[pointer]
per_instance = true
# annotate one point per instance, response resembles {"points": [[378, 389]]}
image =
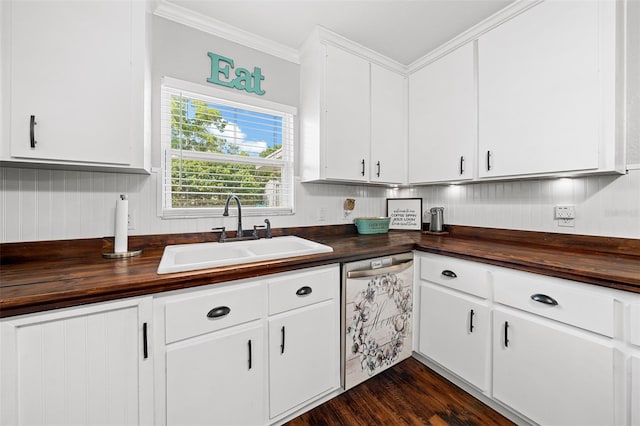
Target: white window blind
{"points": [[214, 147]]}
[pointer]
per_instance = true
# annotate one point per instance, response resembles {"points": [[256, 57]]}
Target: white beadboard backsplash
{"points": [[39, 204], [604, 205]]}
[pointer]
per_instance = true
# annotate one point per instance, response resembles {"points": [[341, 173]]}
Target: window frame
{"points": [[233, 99]]}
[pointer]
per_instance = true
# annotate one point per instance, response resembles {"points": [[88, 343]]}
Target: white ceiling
{"points": [[399, 29]]}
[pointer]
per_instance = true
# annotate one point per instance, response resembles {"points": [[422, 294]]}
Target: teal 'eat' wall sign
{"points": [[243, 80]]}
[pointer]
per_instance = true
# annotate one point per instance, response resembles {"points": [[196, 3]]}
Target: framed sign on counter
{"points": [[405, 213]]}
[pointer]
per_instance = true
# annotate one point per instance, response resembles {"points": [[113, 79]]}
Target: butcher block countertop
{"points": [[40, 276]]}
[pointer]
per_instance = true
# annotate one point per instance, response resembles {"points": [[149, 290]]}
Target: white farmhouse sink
{"points": [[189, 257]]}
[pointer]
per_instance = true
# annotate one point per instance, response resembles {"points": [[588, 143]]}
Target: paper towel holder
{"points": [[122, 214]]}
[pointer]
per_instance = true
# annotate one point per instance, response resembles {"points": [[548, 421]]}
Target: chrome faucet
{"points": [[226, 212]]}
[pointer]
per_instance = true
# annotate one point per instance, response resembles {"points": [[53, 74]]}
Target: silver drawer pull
{"points": [[219, 312], [543, 298]]}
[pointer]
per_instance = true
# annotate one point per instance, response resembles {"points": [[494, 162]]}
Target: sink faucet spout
{"points": [[226, 212]]}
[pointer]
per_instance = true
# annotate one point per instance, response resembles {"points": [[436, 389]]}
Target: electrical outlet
{"points": [[322, 214], [565, 212], [570, 223], [565, 215]]}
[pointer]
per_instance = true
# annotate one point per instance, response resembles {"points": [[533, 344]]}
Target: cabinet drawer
{"points": [[296, 289], [468, 277], [576, 304], [205, 311]]}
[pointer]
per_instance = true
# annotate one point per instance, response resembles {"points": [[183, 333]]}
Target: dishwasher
{"points": [[376, 320]]}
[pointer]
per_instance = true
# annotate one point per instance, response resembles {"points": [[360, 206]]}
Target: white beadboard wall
{"points": [[604, 205], [40, 204]]}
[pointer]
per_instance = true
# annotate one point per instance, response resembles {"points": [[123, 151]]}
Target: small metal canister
{"points": [[437, 219]]}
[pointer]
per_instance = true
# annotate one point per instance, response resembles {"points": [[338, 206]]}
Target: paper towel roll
{"points": [[122, 221]]}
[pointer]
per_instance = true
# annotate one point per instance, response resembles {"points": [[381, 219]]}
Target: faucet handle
{"points": [[255, 230], [223, 233], [268, 225]]}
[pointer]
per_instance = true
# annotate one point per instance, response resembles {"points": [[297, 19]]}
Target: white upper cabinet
{"points": [[347, 117], [442, 119], [75, 84], [388, 126], [547, 90], [352, 115]]}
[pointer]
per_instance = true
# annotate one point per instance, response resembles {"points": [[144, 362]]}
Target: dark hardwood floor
{"points": [[406, 394]]}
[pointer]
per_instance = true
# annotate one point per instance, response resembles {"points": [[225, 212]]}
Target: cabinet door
{"points": [[303, 355], [347, 124], [552, 373], [217, 379], [634, 329], [454, 332], [635, 390], [71, 68], [388, 129], [544, 79], [79, 366], [442, 120]]}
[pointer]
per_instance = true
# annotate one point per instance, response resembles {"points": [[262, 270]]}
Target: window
{"points": [[217, 143]]}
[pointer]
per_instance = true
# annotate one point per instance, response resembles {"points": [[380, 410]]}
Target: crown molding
{"points": [[472, 33], [223, 30], [323, 35]]}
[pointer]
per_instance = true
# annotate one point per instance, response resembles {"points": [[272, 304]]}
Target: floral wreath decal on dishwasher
{"points": [[372, 355]]}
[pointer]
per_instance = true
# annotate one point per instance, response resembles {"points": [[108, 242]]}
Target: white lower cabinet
{"points": [[553, 373], [455, 325], [635, 390], [634, 340], [217, 379], [247, 352], [211, 355], [302, 355], [304, 337], [89, 365], [550, 350], [634, 324], [455, 332]]}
